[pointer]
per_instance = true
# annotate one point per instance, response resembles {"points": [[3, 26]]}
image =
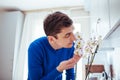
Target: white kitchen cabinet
{"points": [[93, 16], [10, 31], [114, 11], [108, 14], [103, 25], [99, 17], [104, 15]]}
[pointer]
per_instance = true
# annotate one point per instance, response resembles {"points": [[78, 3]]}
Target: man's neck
{"points": [[54, 45]]}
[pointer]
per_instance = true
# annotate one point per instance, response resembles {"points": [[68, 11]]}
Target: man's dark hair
{"points": [[54, 22]]}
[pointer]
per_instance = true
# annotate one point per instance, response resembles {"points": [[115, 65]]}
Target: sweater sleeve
{"points": [[70, 74], [52, 75], [35, 66]]}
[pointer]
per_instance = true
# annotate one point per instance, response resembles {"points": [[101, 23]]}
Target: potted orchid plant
{"points": [[87, 49]]}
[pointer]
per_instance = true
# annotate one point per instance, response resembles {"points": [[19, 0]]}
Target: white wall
{"points": [[10, 28]]}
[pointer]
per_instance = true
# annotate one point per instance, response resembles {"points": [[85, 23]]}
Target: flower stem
{"points": [[89, 65]]}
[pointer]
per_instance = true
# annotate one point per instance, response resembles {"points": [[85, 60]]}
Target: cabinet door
{"points": [[114, 11], [94, 11], [100, 17], [103, 25], [9, 24]]}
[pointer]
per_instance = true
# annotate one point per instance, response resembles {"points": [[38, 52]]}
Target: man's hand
{"points": [[67, 64]]}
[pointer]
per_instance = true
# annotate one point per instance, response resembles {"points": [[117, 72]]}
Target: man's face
{"points": [[65, 38]]}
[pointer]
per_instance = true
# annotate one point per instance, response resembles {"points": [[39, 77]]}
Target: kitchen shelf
{"points": [[112, 39]]}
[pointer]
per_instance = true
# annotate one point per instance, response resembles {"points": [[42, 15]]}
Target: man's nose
{"points": [[73, 38]]}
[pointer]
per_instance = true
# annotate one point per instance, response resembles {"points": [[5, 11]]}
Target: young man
{"points": [[49, 56]]}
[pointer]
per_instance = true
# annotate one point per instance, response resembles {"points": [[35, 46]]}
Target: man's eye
{"points": [[67, 35]]}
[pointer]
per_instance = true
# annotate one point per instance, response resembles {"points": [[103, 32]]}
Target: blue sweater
{"points": [[43, 60]]}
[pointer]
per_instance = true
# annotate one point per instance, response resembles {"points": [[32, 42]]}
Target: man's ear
{"points": [[51, 38]]}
